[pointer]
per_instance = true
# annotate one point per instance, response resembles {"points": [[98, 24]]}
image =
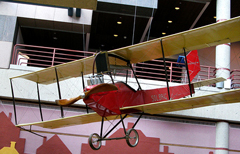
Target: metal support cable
{"points": [[134, 23]]}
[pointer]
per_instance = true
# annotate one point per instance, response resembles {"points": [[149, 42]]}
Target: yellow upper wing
{"points": [[211, 35]]}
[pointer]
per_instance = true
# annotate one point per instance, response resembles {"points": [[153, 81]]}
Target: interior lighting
{"points": [[163, 33], [119, 22], [177, 8], [115, 35], [170, 21], [214, 17]]}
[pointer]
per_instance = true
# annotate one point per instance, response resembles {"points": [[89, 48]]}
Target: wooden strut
{"points": [[59, 92], [83, 85], [139, 87], [14, 103], [189, 82], [165, 68], [39, 102]]}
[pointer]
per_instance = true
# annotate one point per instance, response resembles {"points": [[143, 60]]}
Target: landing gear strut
{"points": [[132, 138]]}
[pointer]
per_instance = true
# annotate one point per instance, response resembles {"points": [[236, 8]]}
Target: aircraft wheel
{"points": [[94, 141], [132, 137]]}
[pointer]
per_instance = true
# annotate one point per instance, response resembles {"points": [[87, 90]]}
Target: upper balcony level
{"points": [[40, 56]]}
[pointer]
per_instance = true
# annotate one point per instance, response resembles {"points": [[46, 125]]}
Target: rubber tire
{"points": [[90, 141], [128, 137]]}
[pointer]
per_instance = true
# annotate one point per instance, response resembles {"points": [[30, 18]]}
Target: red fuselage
{"points": [[109, 103]]}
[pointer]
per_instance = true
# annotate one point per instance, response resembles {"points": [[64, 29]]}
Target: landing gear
{"points": [[132, 138], [94, 141]]}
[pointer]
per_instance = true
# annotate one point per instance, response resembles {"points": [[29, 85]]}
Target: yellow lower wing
{"points": [[70, 121], [231, 96]]}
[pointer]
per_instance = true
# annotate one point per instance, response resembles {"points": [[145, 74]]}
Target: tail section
{"points": [[193, 64]]}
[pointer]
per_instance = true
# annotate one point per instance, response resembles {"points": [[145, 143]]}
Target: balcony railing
{"points": [[45, 56], [40, 56]]}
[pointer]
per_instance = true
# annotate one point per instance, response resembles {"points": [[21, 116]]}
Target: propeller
{"points": [[104, 87]]}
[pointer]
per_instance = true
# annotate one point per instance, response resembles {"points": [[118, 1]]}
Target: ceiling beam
{"points": [[198, 1], [85, 4], [146, 29], [199, 15]]}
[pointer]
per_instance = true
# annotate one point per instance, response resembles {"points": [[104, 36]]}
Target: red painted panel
{"points": [[193, 64], [54, 146], [8, 133]]}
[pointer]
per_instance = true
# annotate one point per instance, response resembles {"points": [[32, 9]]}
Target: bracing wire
{"points": [[5, 110]]}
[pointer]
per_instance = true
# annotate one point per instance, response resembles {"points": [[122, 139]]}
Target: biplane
{"points": [[118, 99]]}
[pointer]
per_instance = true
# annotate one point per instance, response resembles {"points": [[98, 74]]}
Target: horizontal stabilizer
{"points": [[207, 82]]}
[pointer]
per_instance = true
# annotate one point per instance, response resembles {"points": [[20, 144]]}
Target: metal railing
{"points": [[175, 71], [40, 56], [47, 56], [235, 78]]}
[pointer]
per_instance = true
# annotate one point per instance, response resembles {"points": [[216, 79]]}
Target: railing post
{"points": [[54, 51], [13, 54], [132, 70], [171, 72], [208, 72]]}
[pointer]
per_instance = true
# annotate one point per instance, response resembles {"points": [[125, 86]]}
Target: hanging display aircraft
{"points": [[119, 99]]}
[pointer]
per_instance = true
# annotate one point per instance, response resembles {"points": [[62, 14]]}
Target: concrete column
{"points": [[222, 62], [7, 33], [222, 138]]}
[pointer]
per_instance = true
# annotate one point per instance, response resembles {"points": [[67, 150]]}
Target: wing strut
{"points": [[83, 85], [165, 68], [59, 92], [14, 103], [39, 102], [186, 64], [139, 87]]}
